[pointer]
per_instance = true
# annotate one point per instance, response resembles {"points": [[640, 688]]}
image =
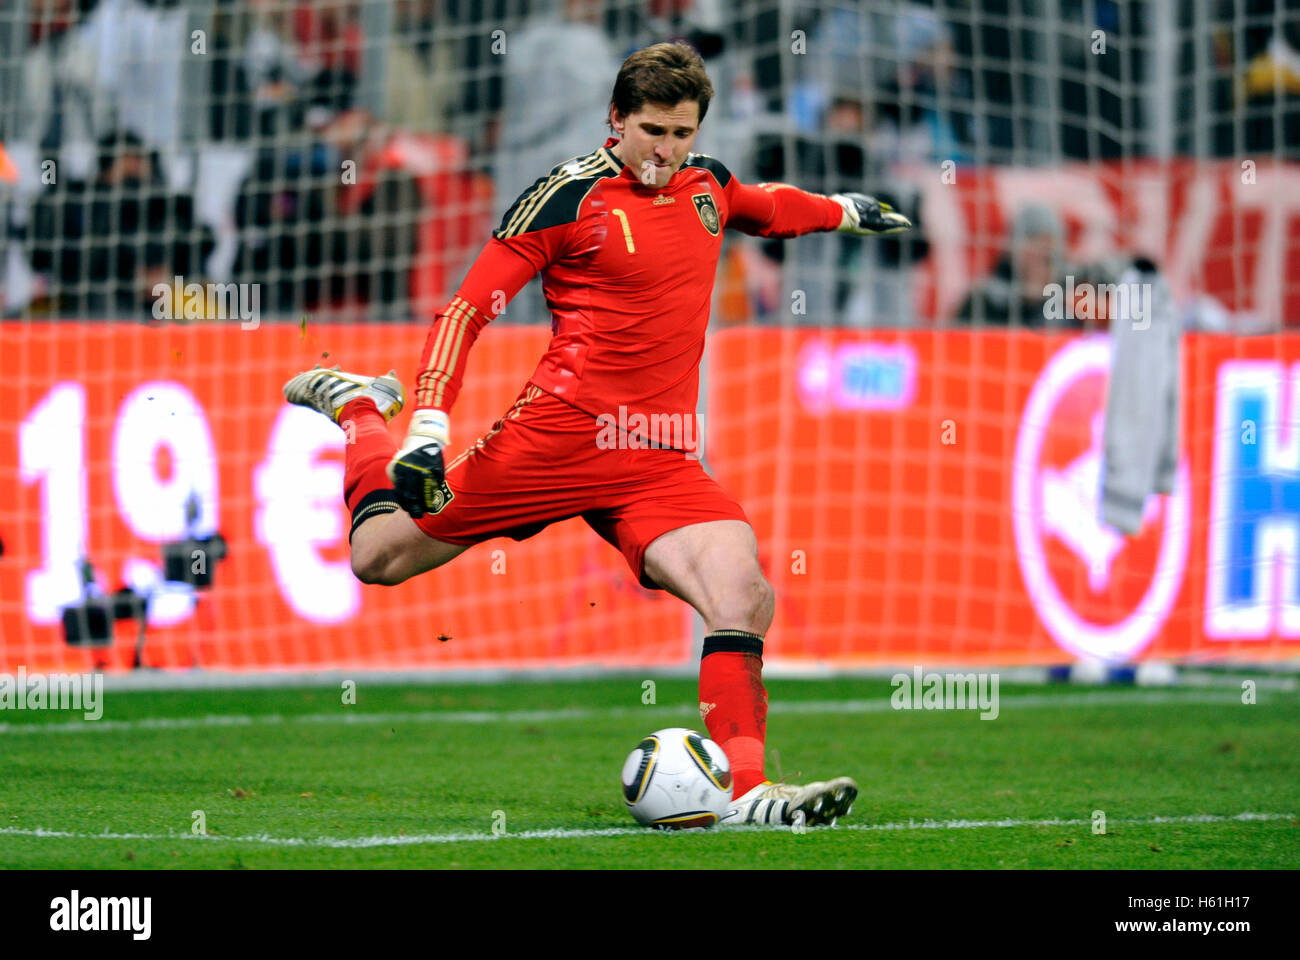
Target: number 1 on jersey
{"points": [[627, 230]]}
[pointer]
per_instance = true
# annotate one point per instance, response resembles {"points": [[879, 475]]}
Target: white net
{"points": [[216, 139]]}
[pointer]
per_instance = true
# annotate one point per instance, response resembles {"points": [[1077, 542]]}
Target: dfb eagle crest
{"points": [[704, 206]]}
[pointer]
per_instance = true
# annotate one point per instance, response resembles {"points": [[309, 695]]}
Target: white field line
{"points": [[349, 715], [402, 840]]}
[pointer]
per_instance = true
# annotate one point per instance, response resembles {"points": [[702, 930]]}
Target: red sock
{"points": [[733, 703], [368, 450]]}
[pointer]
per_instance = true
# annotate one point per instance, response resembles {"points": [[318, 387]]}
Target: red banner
{"points": [[1227, 229]]}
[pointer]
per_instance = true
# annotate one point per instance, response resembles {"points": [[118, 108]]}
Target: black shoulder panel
{"points": [[715, 167]]}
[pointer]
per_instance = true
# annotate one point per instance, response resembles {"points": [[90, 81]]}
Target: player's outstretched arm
{"points": [[782, 210]]}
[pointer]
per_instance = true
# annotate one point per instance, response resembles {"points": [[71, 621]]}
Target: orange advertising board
{"points": [[918, 497], [933, 496]]}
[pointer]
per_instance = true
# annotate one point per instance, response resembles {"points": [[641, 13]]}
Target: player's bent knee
{"points": [[767, 604], [375, 564], [762, 605], [366, 567], [748, 604]]}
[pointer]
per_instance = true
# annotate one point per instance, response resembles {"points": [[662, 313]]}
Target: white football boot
{"points": [[329, 391], [777, 804]]}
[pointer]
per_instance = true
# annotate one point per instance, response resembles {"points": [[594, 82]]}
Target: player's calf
{"points": [[742, 600]]}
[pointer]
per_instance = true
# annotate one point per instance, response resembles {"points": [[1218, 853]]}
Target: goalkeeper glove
{"points": [[869, 217], [417, 470]]}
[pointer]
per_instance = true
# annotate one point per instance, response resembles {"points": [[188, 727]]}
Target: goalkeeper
{"points": [[627, 240]]}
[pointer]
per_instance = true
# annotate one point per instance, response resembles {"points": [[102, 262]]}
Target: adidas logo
{"points": [[705, 708], [662, 200]]}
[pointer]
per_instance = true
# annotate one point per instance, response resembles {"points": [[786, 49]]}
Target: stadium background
{"points": [[867, 401]]}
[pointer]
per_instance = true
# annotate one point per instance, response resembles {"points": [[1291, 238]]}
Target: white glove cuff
{"points": [[433, 425], [850, 219]]}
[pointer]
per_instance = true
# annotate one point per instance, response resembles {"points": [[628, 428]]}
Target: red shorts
{"points": [[540, 464]]}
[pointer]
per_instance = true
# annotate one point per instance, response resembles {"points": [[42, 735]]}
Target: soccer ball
{"points": [[677, 779]]}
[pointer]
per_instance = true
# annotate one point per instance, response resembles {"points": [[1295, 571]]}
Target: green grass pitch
{"points": [[525, 774]]}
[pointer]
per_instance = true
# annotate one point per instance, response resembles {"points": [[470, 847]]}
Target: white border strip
{"points": [[1189, 673], [359, 843], [333, 676], [349, 715]]}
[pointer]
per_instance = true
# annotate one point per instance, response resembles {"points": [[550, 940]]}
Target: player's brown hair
{"points": [[666, 73]]}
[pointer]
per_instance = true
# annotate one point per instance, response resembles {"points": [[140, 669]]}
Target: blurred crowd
{"points": [[351, 156]]}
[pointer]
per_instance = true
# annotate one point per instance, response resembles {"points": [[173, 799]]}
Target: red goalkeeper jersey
{"points": [[628, 273]]}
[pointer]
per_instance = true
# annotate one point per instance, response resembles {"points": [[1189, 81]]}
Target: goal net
{"points": [[1057, 421]]}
